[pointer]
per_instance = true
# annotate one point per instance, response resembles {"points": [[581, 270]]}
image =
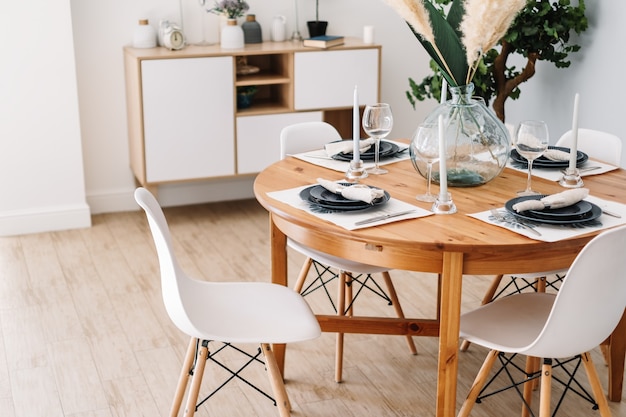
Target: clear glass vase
{"points": [[477, 142]]}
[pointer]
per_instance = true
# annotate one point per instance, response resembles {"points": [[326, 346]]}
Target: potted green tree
{"points": [[317, 27], [541, 31]]}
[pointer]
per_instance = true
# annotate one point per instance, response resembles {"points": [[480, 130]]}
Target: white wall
{"points": [[102, 28], [41, 168]]}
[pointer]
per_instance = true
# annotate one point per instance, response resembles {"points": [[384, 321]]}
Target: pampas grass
{"points": [[483, 24], [415, 14], [479, 37]]}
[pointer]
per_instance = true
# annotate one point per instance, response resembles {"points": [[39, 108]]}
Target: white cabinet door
{"points": [[326, 79], [258, 138], [188, 115]]}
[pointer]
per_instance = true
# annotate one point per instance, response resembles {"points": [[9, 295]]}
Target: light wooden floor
{"points": [[83, 331]]}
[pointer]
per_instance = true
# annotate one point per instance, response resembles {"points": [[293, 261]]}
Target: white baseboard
{"points": [[47, 219], [175, 195]]}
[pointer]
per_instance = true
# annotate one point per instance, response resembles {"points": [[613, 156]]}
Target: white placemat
{"points": [[347, 219], [319, 157], [554, 233], [553, 174]]}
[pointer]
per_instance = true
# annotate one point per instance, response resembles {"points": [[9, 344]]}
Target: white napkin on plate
{"points": [[554, 201], [357, 192], [347, 146], [556, 155]]}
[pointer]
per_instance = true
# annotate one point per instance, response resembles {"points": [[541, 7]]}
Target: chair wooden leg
{"points": [[546, 388], [196, 381], [478, 384], [596, 387], [398, 308], [276, 381], [304, 271], [495, 283], [341, 307], [532, 365], [183, 378]]}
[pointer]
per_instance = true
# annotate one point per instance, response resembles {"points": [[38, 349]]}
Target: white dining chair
{"points": [[599, 145], [596, 144], [584, 312], [228, 312], [308, 136]]}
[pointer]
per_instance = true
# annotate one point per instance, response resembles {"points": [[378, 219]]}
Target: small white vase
{"points": [[232, 35]]}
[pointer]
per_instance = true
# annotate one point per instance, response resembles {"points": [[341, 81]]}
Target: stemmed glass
{"points": [[377, 123], [203, 42], [531, 141], [425, 146]]}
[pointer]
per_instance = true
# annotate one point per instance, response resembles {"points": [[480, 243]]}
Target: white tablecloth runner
{"points": [[348, 219], [319, 157], [554, 233]]}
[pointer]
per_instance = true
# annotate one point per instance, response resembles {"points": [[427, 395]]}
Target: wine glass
{"points": [[377, 123], [531, 141], [425, 146]]}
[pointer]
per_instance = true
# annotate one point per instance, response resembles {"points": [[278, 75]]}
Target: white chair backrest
{"points": [[598, 145], [174, 283], [591, 299], [307, 136]]}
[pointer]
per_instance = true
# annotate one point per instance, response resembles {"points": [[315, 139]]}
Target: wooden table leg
{"points": [[616, 352], [451, 281], [278, 254]]}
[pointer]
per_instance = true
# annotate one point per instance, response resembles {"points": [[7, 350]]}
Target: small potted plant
{"points": [[245, 94], [317, 27]]}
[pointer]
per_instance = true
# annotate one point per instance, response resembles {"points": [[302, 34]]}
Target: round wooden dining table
{"points": [[452, 246]]}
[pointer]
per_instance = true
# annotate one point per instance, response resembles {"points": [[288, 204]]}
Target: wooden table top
{"points": [[418, 244]]}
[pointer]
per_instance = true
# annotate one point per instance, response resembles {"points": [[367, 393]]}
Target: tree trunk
{"points": [[504, 86]]}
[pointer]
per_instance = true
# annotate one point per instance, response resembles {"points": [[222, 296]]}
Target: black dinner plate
{"points": [[336, 202], [543, 162], [531, 215], [575, 211], [386, 149]]}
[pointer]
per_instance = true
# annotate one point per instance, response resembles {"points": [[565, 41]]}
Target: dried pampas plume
{"points": [[479, 37], [415, 14]]}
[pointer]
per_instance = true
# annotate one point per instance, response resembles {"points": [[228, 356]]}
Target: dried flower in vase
{"points": [[232, 9], [457, 41]]}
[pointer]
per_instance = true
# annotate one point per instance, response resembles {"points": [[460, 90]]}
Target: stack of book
{"points": [[323, 42]]}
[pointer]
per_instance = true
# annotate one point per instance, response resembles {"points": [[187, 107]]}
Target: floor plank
{"points": [[83, 330]]}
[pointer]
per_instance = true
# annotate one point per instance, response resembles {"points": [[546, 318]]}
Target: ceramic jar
{"points": [[232, 35]]}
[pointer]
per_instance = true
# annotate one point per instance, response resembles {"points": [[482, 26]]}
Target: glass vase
{"points": [[477, 143]]}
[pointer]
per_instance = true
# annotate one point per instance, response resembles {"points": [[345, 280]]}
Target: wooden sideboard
{"points": [[183, 120]]}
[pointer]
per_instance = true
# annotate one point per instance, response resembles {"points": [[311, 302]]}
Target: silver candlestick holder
{"points": [[571, 179]]}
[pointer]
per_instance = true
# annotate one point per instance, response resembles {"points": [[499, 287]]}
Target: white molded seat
{"points": [[237, 312], [308, 136], [578, 318], [596, 144]]}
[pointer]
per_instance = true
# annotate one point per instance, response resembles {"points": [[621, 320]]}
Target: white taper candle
{"points": [[444, 90], [573, 151], [443, 173], [356, 124]]}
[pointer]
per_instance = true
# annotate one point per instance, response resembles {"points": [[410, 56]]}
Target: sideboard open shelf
{"points": [[183, 120]]}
